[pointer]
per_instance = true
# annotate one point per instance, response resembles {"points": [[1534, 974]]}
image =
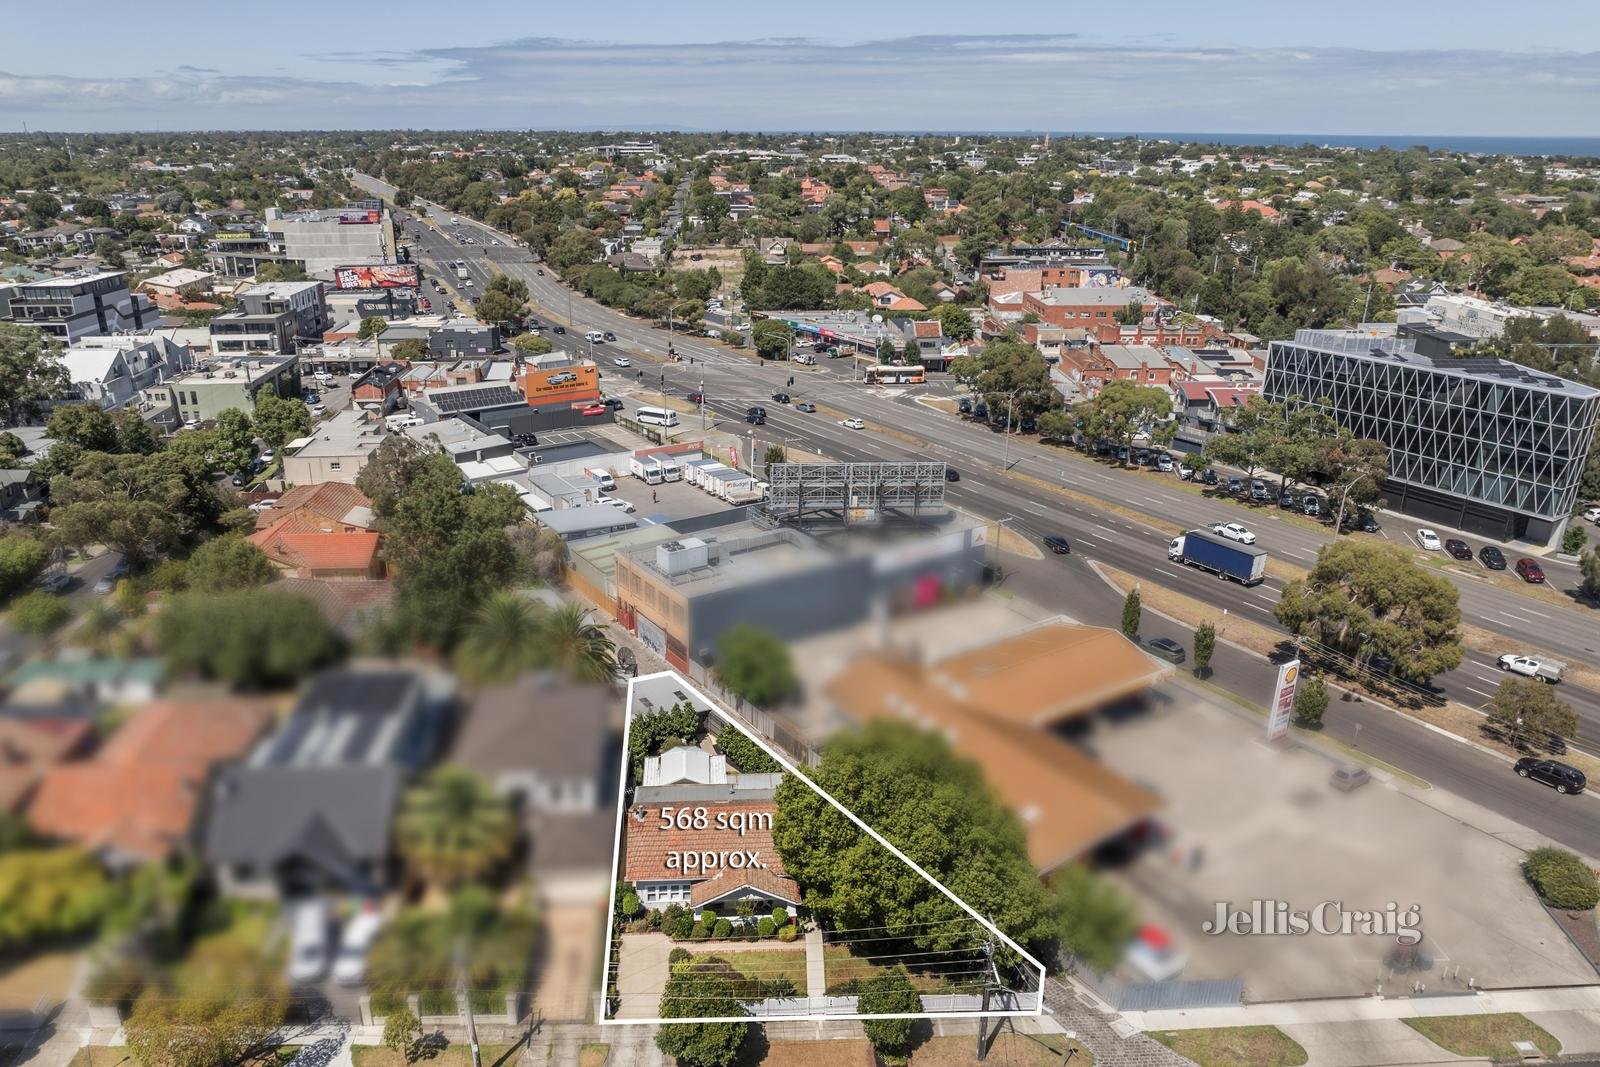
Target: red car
{"points": [[595, 409], [1530, 570]]}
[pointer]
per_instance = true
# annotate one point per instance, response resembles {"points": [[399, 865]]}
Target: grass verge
{"points": [[450, 1056], [1191, 612], [1021, 1050], [1484, 1035], [1235, 1046], [594, 1054]]}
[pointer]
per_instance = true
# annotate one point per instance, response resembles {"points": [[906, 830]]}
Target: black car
{"points": [[696, 397], [951, 474], [1458, 548], [1057, 544], [756, 416], [1559, 776], [560, 329], [1028, 426], [1492, 558], [1288, 500], [612, 402], [610, 336], [964, 406], [781, 398], [524, 439], [1167, 649], [980, 410], [1210, 477]]}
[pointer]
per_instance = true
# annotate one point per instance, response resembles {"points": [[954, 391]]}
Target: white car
{"points": [[1546, 670], [852, 424], [618, 503], [1593, 514], [1234, 531], [350, 964], [623, 361], [1429, 540], [323, 376], [308, 941], [262, 505]]}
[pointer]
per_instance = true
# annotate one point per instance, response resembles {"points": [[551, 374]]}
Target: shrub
{"points": [[724, 928], [653, 920], [678, 955], [747, 756], [699, 932], [1561, 879], [680, 926], [780, 916], [39, 613], [630, 905], [766, 927], [788, 933], [1574, 539]]}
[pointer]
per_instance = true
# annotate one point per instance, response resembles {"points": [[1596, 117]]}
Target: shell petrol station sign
{"points": [[561, 385]]}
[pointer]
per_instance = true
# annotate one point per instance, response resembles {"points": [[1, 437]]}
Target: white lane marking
{"points": [[1031, 506], [1480, 692], [1268, 599], [1258, 607]]}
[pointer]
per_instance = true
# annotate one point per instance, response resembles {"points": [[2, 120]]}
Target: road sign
{"points": [[1282, 700]]}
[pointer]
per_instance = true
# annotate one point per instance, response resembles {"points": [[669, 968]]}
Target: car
{"points": [[262, 505], [1235, 485], [108, 581], [308, 940], [1545, 670], [1164, 463], [1592, 514], [1369, 524], [56, 582], [853, 424], [964, 406], [1209, 476], [696, 397], [1122, 453], [618, 503], [560, 329], [1349, 777], [622, 361], [1286, 499], [1186, 473], [951, 474], [781, 398], [1530, 571], [1235, 531], [524, 439], [1429, 540], [318, 408], [1258, 491], [806, 405], [1492, 558], [1458, 548], [323, 376], [238, 480], [310, 396], [1311, 506], [1057, 544], [1559, 776], [612, 402], [355, 941], [1141, 458], [594, 409], [539, 271], [609, 336], [1167, 649]]}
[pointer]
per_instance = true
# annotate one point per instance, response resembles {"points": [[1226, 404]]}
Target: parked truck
{"points": [[670, 470], [1226, 559], [647, 469]]}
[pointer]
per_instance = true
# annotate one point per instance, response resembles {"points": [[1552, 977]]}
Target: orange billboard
{"points": [[561, 385]]}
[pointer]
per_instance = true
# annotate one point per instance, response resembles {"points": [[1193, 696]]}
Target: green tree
{"points": [[280, 272], [1132, 609], [1363, 599], [141, 505], [226, 563], [39, 613], [966, 369], [574, 643], [1015, 381], [372, 329], [1056, 425], [401, 1032], [904, 782], [1527, 707], [1124, 410], [1196, 463], [531, 344], [392, 466], [1353, 470], [746, 756], [233, 441], [281, 419], [772, 338], [1590, 568], [754, 664], [252, 638], [774, 454], [46, 894], [11, 450], [410, 350], [454, 828], [1311, 701], [954, 322], [31, 371], [1573, 540], [498, 307], [1205, 644], [889, 993], [89, 426], [1096, 920], [573, 248], [702, 988], [502, 639], [21, 560], [223, 1004], [40, 210]]}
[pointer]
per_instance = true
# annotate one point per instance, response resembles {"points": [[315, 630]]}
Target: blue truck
{"points": [[1226, 559]]}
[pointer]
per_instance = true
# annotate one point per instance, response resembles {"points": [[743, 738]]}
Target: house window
{"points": [[334, 465]]}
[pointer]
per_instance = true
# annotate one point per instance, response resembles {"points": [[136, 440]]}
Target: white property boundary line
{"points": [[616, 858]]}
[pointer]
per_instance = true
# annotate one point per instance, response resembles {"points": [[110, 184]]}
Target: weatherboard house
{"points": [[700, 835]]}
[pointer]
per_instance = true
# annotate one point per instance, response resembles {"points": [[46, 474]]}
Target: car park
{"points": [[1057, 544], [853, 424], [1530, 571], [1458, 548], [1167, 649], [1428, 540], [1234, 531], [1492, 558], [806, 405], [1559, 776]]}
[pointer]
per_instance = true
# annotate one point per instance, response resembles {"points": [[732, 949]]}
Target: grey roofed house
{"points": [[309, 809]]}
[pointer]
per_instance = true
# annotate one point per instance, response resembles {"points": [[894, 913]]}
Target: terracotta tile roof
{"points": [[762, 881], [1067, 802], [139, 795], [29, 749], [316, 551], [647, 843], [347, 604], [927, 328], [1047, 674], [331, 502]]}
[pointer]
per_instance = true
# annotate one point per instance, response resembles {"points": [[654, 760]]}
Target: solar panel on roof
{"points": [[488, 396]]}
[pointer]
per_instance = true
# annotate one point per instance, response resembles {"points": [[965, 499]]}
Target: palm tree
{"points": [[454, 827], [578, 646], [503, 638]]}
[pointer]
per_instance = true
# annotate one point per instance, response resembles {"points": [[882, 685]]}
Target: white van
{"points": [[656, 416], [602, 478], [594, 336], [400, 420]]}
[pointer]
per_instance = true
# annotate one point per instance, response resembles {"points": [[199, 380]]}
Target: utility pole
{"points": [[702, 403], [983, 1021], [464, 998]]}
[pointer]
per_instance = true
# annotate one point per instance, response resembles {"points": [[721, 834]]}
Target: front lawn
{"points": [[1235, 1046], [450, 1056], [593, 1054], [1484, 1036], [843, 968], [768, 965], [416, 954]]}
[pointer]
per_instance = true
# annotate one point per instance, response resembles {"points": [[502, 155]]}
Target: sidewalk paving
{"points": [[1370, 1009]]}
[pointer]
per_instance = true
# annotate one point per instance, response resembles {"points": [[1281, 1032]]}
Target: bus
{"points": [[656, 416], [880, 374]]}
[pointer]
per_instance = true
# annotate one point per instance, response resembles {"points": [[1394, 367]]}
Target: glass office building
{"points": [[1475, 443]]}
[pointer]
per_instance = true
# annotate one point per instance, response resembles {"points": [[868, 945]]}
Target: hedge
{"points": [[1561, 879]]}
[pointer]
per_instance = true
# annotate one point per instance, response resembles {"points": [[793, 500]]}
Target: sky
{"points": [[1468, 67]]}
